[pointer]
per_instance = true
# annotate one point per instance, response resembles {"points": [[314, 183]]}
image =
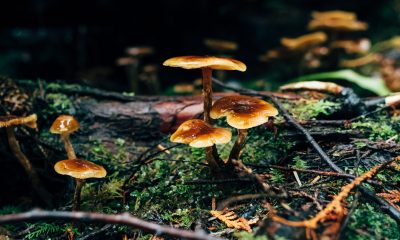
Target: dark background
{"points": [[71, 40]]}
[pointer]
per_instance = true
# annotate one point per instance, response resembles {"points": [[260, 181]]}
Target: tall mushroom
{"points": [[200, 134], [65, 125], [79, 170], [9, 122], [207, 64], [242, 113]]}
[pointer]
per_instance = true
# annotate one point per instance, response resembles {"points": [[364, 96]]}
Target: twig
{"points": [[289, 169], [124, 219], [266, 188], [386, 206], [216, 181]]}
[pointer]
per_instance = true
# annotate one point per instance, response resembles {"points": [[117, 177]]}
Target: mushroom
{"points": [[336, 21], [199, 134], [335, 14], [329, 87], [304, 42], [65, 125], [132, 64], [242, 113], [207, 64], [9, 122], [361, 61], [79, 170]]}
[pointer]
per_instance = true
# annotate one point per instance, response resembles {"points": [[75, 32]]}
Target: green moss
{"points": [[382, 128], [368, 222], [310, 109]]}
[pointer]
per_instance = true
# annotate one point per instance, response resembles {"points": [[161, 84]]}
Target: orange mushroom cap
{"points": [[335, 14], [64, 124], [81, 169], [305, 41], [329, 87], [193, 62], [199, 134], [11, 120], [337, 24], [243, 112]]}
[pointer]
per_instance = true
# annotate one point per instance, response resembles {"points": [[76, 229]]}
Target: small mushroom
{"points": [[336, 21], [65, 125], [304, 42], [9, 122], [328, 87], [132, 64], [242, 113], [79, 170], [199, 134]]}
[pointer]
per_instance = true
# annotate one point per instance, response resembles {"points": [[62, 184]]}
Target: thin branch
{"points": [[124, 219]]}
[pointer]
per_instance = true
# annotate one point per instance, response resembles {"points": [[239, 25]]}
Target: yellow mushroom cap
{"points": [[64, 124], [305, 41], [81, 169], [193, 62], [243, 112], [11, 120], [199, 134], [329, 87]]}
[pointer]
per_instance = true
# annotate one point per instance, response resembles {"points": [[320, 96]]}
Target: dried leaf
{"points": [[393, 197], [232, 220]]}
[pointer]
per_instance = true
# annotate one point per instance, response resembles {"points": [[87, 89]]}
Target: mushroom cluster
{"points": [[323, 48], [242, 112], [79, 169], [207, 65]]}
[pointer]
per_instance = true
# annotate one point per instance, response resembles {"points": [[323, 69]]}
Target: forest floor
{"points": [[175, 187]]}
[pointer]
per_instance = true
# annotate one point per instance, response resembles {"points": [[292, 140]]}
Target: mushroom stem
{"points": [[68, 146], [133, 75], [207, 93], [212, 157], [77, 194], [238, 146], [26, 164]]}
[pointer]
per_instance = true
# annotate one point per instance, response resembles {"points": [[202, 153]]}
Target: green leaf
{"points": [[373, 84]]}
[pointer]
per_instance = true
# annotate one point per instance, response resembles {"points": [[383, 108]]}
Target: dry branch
{"points": [[124, 219]]}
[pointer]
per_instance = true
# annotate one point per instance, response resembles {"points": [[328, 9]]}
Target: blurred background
{"points": [[87, 41]]}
